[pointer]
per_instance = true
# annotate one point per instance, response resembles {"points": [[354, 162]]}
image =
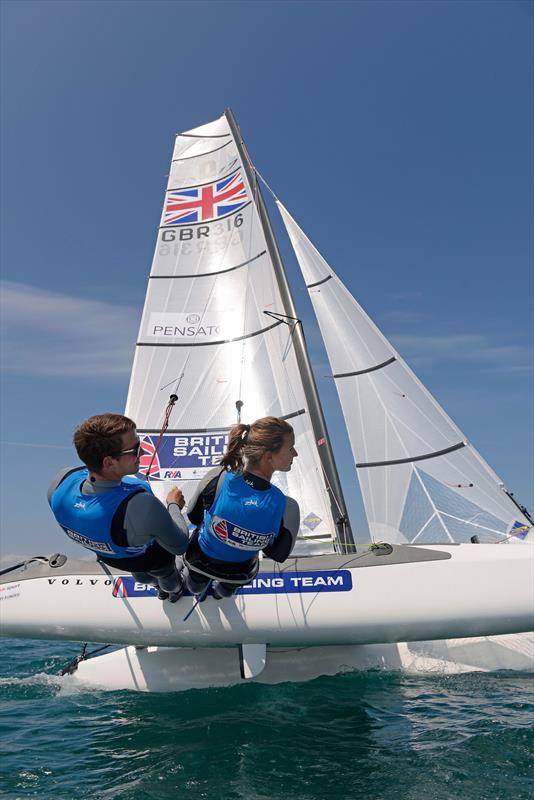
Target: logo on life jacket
{"points": [[238, 537], [220, 529]]}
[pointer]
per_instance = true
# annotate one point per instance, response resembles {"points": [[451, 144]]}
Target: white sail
{"points": [[421, 480], [211, 331]]}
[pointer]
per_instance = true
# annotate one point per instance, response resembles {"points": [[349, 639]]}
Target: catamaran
{"points": [[446, 583]]}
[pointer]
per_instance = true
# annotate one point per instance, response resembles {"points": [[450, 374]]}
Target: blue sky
{"points": [[411, 120]]}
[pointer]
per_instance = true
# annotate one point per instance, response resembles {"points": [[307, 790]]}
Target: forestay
{"points": [[421, 480], [210, 332]]}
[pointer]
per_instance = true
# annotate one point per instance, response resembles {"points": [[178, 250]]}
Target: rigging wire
{"points": [[172, 401], [262, 179]]}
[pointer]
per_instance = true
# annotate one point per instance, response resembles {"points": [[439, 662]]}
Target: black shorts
{"points": [[231, 571], [155, 557]]}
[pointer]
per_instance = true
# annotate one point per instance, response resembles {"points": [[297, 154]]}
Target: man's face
{"points": [[128, 462]]}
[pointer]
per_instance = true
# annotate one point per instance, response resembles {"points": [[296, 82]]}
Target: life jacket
{"points": [[241, 521], [87, 518]]}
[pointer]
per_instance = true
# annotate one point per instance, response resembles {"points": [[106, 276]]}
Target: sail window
{"points": [[432, 508]]}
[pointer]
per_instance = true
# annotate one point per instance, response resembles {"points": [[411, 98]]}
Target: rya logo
{"points": [[251, 502], [80, 504]]}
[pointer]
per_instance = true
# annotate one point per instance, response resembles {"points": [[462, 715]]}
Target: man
{"points": [[115, 516]]}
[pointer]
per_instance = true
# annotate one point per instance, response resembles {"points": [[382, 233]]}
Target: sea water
{"points": [[372, 735]]}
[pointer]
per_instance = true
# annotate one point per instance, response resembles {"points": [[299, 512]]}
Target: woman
{"points": [[238, 512]]}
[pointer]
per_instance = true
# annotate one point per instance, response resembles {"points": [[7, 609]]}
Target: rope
{"points": [[172, 400], [22, 564], [200, 598]]}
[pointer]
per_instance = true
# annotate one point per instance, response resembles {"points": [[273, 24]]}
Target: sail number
{"points": [[221, 229]]}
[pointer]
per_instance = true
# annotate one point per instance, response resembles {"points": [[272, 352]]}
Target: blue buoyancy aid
{"points": [[87, 518], [241, 521]]}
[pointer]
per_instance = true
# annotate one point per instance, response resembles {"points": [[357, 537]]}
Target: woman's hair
{"points": [[248, 443], [100, 436]]}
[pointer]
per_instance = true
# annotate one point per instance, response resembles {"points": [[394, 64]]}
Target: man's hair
{"points": [[100, 436]]}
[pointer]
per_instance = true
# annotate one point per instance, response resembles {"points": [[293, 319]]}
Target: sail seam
{"points": [[200, 155], [208, 274], [318, 283], [208, 344], [365, 371], [208, 183], [413, 458]]}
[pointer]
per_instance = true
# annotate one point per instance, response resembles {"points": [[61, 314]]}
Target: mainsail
{"points": [[421, 480], [217, 334]]}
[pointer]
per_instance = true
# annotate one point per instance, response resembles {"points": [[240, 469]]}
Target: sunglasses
{"points": [[134, 451]]}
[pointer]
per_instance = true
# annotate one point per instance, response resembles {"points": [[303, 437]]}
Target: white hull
{"points": [[159, 669], [380, 612], [376, 597]]}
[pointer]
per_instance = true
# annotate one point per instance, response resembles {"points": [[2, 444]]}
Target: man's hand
{"points": [[176, 496]]}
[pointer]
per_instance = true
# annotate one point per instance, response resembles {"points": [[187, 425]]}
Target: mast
{"points": [[333, 484]]}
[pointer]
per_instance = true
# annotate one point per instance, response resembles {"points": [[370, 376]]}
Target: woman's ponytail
{"points": [[233, 458]]}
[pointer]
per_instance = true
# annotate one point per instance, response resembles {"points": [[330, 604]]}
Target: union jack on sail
{"points": [[149, 459], [205, 203]]}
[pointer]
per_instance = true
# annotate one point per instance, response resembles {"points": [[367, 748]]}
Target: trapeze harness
{"points": [[87, 518], [241, 522]]}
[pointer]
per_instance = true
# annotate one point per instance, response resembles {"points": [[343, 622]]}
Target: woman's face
{"points": [[283, 458]]}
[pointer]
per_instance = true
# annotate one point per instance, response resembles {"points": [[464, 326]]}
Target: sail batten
{"points": [[209, 274], [318, 283], [365, 371], [208, 153], [419, 477], [411, 459]]}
